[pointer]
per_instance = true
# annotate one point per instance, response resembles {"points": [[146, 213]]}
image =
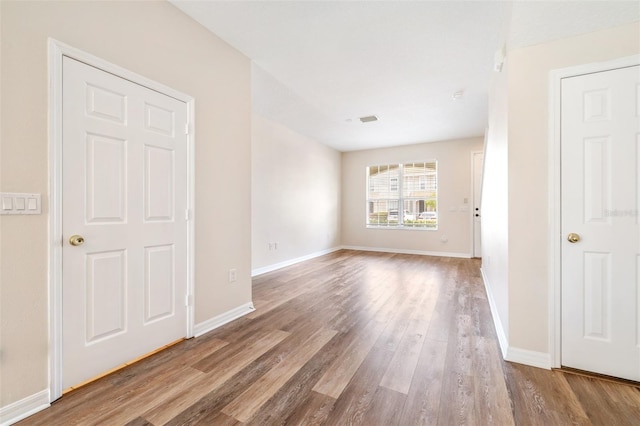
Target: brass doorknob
{"points": [[573, 238], [76, 240]]}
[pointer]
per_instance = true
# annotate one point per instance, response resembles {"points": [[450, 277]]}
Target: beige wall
{"points": [[454, 185], [156, 40], [527, 119], [495, 209], [528, 169], [295, 194]]}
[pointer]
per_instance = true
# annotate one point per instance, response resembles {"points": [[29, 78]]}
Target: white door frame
{"points": [[57, 51], [554, 192]]}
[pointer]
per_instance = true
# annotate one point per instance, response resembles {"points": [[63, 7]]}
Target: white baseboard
{"points": [[222, 319], [269, 268], [502, 336], [510, 353], [404, 251], [526, 357], [24, 408]]}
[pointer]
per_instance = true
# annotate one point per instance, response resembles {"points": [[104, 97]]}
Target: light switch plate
{"points": [[20, 203], [7, 203]]}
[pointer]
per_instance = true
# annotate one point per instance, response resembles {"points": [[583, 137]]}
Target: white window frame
{"points": [[401, 197]]}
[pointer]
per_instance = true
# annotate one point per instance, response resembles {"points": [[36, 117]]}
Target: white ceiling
{"points": [[320, 65]]}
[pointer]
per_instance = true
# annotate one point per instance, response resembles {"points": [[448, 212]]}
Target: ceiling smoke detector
{"points": [[368, 119]]}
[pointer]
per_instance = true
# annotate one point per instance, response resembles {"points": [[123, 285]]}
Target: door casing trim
{"points": [[554, 194], [57, 51]]}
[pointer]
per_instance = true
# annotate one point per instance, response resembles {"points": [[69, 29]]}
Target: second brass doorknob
{"points": [[573, 238], [76, 240]]}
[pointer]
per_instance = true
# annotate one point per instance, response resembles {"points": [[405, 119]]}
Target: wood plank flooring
{"points": [[350, 338]]}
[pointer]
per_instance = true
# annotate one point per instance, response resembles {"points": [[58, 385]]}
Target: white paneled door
{"points": [[124, 258], [600, 143], [478, 164]]}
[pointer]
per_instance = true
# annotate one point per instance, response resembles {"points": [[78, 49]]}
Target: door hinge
{"points": [[187, 214], [187, 300], [186, 128]]}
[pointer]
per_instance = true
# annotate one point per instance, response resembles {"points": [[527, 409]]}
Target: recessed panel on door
{"points": [[637, 281], [105, 289], [597, 180], [597, 105], [597, 295], [106, 179], [637, 212], [159, 120], [159, 282], [159, 166], [106, 104]]}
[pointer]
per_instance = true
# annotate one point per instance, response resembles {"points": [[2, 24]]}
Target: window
{"points": [[403, 195]]}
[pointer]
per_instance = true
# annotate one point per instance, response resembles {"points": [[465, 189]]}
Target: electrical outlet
{"points": [[233, 275]]}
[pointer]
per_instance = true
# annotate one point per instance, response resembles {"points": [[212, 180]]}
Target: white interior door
{"points": [[124, 179], [478, 163], [600, 148]]}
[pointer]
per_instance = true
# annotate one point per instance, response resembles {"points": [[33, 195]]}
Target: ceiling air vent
{"points": [[368, 118]]}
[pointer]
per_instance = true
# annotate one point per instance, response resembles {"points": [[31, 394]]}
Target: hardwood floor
{"points": [[350, 338]]}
